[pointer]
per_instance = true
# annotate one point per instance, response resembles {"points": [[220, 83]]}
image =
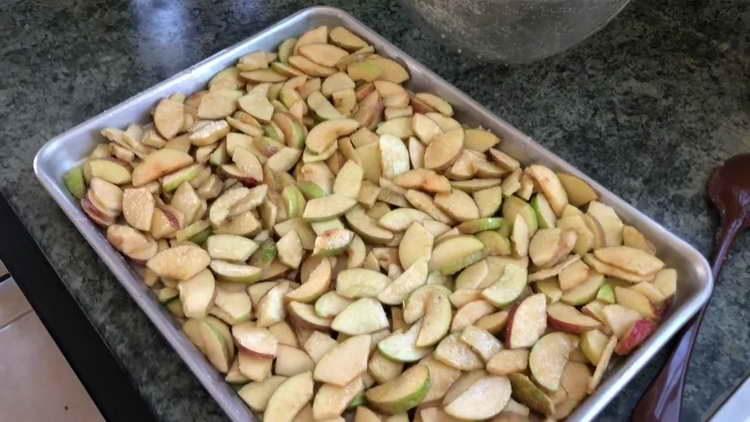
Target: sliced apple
{"points": [[550, 185], [364, 316], [394, 157], [593, 343], [579, 192], [303, 315], [181, 262], [402, 346], [458, 205], [416, 244], [395, 292], [470, 312], [327, 207], [359, 282], [159, 163], [494, 323], [291, 361], [402, 393], [481, 341], [603, 364], [452, 351], [289, 398], [317, 284], [456, 253], [214, 345], [318, 344], [619, 318], [482, 399], [526, 392], [257, 341], [437, 319], [508, 287], [238, 273], [131, 242], [197, 294], [349, 180], [505, 362], [169, 117], [569, 319], [325, 134], [331, 400], [636, 301], [289, 248], [416, 302], [270, 309], [527, 322], [257, 394], [585, 291], [548, 358], [609, 221], [666, 282], [630, 259], [345, 361], [443, 149], [638, 333]]}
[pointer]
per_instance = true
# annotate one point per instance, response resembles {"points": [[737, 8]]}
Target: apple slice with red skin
{"points": [[639, 332], [527, 322], [567, 318]]}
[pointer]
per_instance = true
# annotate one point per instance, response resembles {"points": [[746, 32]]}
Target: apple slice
{"points": [[548, 358], [253, 367], [325, 134], [284, 334], [481, 341], [270, 309], [402, 393], [401, 218], [169, 117], [197, 294], [327, 207], [666, 281], [603, 364], [257, 394], [303, 315], [414, 306], [344, 362], [131, 242], [316, 284], [508, 287], [456, 253], [593, 343], [550, 185], [619, 318], [437, 319], [458, 205], [364, 414], [75, 182], [215, 347], [159, 163], [494, 323], [356, 283], [181, 262], [609, 222], [234, 301], [289, 398], [383, 369], [526, 392], [443, 149], [289, 248], [107, 169], [395, 292], [394, 157], [585, 239], [331, 304], [331, 400], [402, 346], [318, 344], [105, 196], [257, 341], [364, 316], [635, 239], [573, 275], [527, 322], [416, 244], [630, 259], [291, 361], [569, 319], [585, 291], [442, 376], [636, 301], [470, 313], [237, 273], [506, 362], [579, 192], [483, 399], [638, 332], [452, 351], [230, 247]]}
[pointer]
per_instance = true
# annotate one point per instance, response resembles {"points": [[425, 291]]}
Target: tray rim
{"points": [[614, 381]]}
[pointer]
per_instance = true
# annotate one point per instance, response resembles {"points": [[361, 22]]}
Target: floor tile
{"points": [[12, 302], [38, 384]]}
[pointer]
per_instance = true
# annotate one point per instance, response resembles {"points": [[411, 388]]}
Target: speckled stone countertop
{"points": [[648, 107]]}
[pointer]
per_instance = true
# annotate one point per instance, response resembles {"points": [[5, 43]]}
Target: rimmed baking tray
{"points": [[64, 151]]}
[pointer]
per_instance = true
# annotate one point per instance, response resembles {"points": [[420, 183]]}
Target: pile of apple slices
{"points": [[334, 242]]}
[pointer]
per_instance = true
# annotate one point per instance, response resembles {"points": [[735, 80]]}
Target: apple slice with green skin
{"points": [[344, 362], [593, 343], [619, 318], [506, 362], [181, 262], [508, 287], [257, 341], [513, 206], [480, 225], [289, 398], [265, 254], [294, 201], [545, 215], [325, 133], [483, 399], [639, 332], [159, 163], [356, 283], [365, 316], [402, 346], [584, 292], [437, 319], [456, 253], [257, 394], [75, 182], [526, 392], [197, 294], [237, 273], [214, 346], [442, 377], [316, 284], [411, 279], [603, 364], [453, 352], [527, 322], [481, 341], [548, 358], [333, 242], [606, 294], [331, 304], [173, 180], [630, 259], [303, 315], [402, 393], [230, 247], [331, 400], [327, 207], [569, 319]]}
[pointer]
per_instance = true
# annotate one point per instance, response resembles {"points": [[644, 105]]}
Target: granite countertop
{"points": [[648, 107]]}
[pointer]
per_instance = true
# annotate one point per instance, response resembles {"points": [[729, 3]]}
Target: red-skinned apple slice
{"points": [[527, 322], [567, 318], [548, 358], [634, 336], [619, 318], [257, 341]]}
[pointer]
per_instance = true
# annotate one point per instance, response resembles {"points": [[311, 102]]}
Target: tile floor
{"points": [[37, 382]]}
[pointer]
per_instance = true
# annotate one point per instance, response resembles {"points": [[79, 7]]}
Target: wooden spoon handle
{"points": [[663, 400]]}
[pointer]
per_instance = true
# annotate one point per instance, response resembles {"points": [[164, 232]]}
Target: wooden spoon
{"points": [[729, 190]]}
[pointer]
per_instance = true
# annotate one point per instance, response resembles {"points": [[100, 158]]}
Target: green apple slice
{"points": [[402, 346], [289, 398], [197, 294], [214, 346], [355, 283], [544, 214], [484, 398], [331, 304], [344, 362], [230, 247], [526, 392], [437, 319], [584, 292], [293, 200], [456, 253], [257, 394], [606, 293], [395, 292], [508, 287], [593, 343], [75, 182], [480, 225], [364, 316], [402, 393], [237, 273], [513, 206]]}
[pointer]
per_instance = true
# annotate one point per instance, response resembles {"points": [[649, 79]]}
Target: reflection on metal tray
{"points": [[68, 149]]}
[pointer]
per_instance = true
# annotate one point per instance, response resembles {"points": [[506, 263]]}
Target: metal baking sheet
{"points": [[70, 148]]}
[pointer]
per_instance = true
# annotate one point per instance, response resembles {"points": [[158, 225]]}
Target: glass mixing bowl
{"points": [[514, 31]]}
